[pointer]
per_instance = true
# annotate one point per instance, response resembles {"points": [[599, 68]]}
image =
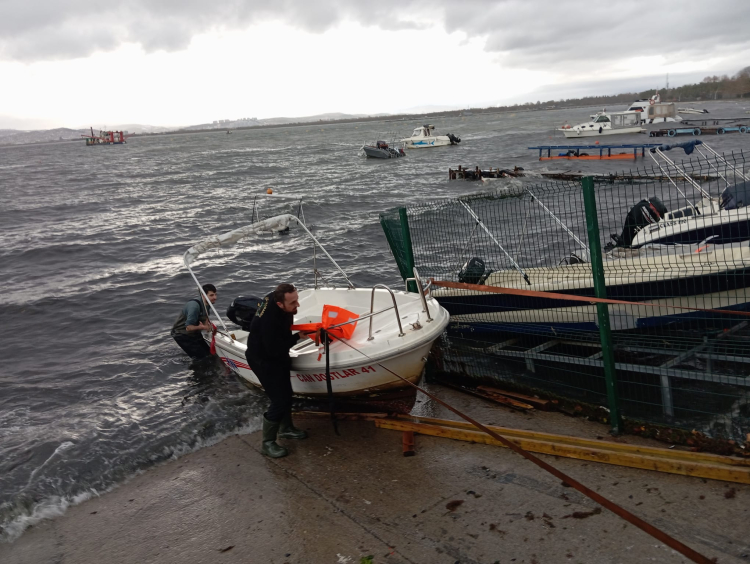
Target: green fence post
{"points": [[600, 291], [408, 250]]}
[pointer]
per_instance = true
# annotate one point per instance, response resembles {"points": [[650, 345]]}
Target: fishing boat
{"points": [[393, 331], [603, 123], [381, 150], [721, 219], [425, 136]]}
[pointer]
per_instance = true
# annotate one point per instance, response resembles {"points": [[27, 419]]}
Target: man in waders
{"points": [[267, 354], [193, 319]]}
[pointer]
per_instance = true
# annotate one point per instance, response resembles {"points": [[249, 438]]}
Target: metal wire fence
{"points": [[672, 236]]}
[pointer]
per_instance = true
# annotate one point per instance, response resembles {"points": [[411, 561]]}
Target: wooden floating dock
{"points": [[578, 152]]}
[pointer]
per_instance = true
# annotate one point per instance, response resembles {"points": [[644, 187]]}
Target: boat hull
{"points": [[575, 133], [375, 153], [426, 142], [715, 280], [352, 379]]}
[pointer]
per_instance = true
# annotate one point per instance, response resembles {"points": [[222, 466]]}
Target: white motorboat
{"points": [[691, 111], [653, 110], [723, 219], [712, 276], [603, 123], [425, 136], [393, 334]]}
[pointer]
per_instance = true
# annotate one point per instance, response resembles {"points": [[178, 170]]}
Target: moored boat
{"points": [[603, 123], [425, 136], [381, 150]]}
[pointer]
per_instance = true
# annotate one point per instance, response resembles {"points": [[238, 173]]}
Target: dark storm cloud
{"points": [[528, 34]]}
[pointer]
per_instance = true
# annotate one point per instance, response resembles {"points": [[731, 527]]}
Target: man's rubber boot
{"points": [[287, 430], [270, 447]]}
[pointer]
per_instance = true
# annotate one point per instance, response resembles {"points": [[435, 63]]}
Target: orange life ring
{"points": [[651, 101]]}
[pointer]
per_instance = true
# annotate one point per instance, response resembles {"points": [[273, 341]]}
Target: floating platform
{"points": [[105, 138], [574, 152], [720, 130]]}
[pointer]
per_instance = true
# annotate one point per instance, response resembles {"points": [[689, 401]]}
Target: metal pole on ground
{"points": [[600, 291]]}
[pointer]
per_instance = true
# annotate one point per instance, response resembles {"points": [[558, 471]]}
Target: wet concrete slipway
{"points": [[355, 498]]}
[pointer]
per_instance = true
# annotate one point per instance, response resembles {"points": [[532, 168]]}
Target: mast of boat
{"points": [[483, 226]]}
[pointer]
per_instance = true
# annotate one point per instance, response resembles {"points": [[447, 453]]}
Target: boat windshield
{"points": [[602, 119], [418, 132]]}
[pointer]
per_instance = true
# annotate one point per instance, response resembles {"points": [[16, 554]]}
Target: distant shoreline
{"points": [[398, 118]]}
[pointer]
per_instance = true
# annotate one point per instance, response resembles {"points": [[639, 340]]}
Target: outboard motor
{"points": [[381, 145], [642, 214], [242, 310], [454, 140], [474, 272]]}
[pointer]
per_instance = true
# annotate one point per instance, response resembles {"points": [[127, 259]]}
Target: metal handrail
{"points": [[395, 307], [418, 282]]}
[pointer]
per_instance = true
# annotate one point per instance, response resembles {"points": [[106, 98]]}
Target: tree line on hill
{"points": [[710, 88]]}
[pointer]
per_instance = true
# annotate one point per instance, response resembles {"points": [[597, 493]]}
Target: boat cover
{"points": [[736, 196], [688, 146], [273, 224]]}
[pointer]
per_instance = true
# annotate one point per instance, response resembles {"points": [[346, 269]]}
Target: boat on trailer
{"points": [[393, 333]]}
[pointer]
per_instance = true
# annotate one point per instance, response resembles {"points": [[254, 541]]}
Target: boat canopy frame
{"points": [[273, 225]]}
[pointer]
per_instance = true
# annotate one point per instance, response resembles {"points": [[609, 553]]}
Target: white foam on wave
{"points": [[56, 506]]}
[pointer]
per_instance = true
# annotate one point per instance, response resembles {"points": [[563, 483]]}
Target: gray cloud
{"points": [[532, 34]]}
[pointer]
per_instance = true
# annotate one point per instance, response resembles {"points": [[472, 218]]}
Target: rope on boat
{"points": [[588, 492]]}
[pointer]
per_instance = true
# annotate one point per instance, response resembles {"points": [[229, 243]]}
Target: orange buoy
{"points": [[269, 191], [596, 142]]}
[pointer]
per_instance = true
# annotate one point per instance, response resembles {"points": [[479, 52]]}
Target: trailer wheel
{"points": [[743, 129], [697, 131], [671, 133]]}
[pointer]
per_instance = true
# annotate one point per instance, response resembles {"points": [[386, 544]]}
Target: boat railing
{"points": [[422, 291], [395, 307]]}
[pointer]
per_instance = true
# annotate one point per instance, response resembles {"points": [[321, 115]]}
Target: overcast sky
{"points": [[73, 63]]}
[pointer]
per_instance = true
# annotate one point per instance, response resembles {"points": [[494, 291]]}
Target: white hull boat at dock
{"points": [[601, 124], [393, 333]]}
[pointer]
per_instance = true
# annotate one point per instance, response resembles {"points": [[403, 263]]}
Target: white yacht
{"points": [[603, 123], [425, 136]]}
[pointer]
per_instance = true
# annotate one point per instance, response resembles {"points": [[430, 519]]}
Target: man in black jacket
{"points": [[267, 354]]}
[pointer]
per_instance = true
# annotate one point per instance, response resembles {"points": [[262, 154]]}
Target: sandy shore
{"points": [[337, 499]]}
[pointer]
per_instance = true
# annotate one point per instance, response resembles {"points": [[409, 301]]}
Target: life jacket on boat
{"points": [[332, 315]]}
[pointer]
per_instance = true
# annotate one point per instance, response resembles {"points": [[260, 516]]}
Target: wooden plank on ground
{"points": [[696, 468], [593, 443], [542, 404]]}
